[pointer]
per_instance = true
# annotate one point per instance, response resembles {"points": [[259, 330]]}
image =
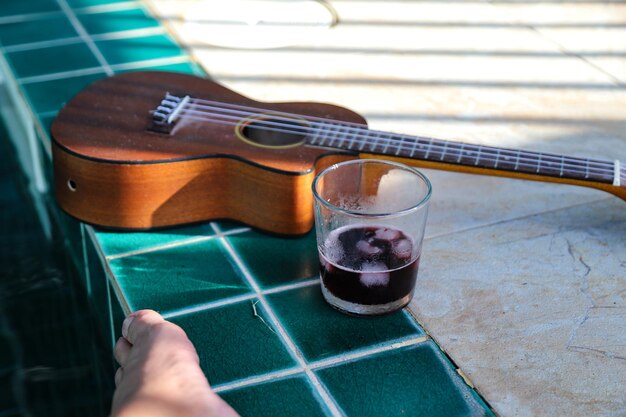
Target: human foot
{"points": [[159, 374]]}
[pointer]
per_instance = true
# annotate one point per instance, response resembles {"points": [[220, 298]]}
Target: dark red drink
{"points": [[369, 265]]}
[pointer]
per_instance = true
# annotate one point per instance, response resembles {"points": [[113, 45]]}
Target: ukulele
{"points": [[150, 149]]}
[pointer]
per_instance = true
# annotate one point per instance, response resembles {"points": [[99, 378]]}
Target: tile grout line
{"points": [[110, 306], [95, 70], [27, 17], [340, 359], [288, 287], [284, 336], [407, 312], [175, 244], [48, 113], [110, 276], [85, 259], [325, 363], [208, 306], [85, 36], [22, 119], [129, 34], [42, 44], [42, 135], [150, 62], [61, 75], [122, 34], [241, 383], [238, 298]]}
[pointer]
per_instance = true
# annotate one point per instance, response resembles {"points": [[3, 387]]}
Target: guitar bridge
{"points": [[167, 112]]}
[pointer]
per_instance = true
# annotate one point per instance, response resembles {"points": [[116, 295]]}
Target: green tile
{"points": [[277, 260], [409, 381], [15, 7], [50, 96], [114, 243], [71, 229], [184, 67], [321, 331], [121, 51], [46, 164], [51, 60], [27, 31], [97, 292], [8, 191], [8, 162], [117, 21], [292, 396], [178, 277], [234, 344]]}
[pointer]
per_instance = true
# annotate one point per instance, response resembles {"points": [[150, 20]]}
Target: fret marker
{"points": [[351, 143], [616, 173], [399, 145], [538, 162], [477, 156]]}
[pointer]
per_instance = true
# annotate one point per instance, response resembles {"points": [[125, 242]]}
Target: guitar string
{"points": [[505, 156], [361, 127], [546, 157], [356, 127], [604, 174], [501, 158]]}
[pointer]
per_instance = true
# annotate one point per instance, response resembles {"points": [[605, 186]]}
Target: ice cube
{"points": [[402, 248], [374, 274], [368, 249], [387, 234]]}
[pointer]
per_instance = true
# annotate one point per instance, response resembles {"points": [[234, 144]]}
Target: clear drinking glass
{"points": [[370, 217]]}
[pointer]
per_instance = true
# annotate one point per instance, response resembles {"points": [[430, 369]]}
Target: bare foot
{"points": [[159, 374]]}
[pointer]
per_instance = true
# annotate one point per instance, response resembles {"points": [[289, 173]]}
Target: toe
{"points": [[121, 351], [138, 324], [119, 374]]}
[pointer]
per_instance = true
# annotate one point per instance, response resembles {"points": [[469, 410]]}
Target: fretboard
{"points": [[364, 140]]}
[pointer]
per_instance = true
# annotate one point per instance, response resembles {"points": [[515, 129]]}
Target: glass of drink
{"points": [[370, 217]]}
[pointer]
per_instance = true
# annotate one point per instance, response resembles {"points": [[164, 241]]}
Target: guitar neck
{"points": [[455, 156]]}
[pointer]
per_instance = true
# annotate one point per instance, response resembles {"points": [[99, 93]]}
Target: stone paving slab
{"points": [[533, 309]]}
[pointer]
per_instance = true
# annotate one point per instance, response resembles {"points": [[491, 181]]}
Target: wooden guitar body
{"points": [[111, 170], [153, 149]]}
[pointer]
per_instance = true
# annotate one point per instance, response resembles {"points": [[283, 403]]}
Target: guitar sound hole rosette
{"points": [[273, 131]]}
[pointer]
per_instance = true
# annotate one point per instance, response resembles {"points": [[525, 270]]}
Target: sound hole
{"points": [[273, 132]]}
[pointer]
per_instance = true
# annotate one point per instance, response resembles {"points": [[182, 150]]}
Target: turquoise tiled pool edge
{"points": [[250, 302], [49, 336]]}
